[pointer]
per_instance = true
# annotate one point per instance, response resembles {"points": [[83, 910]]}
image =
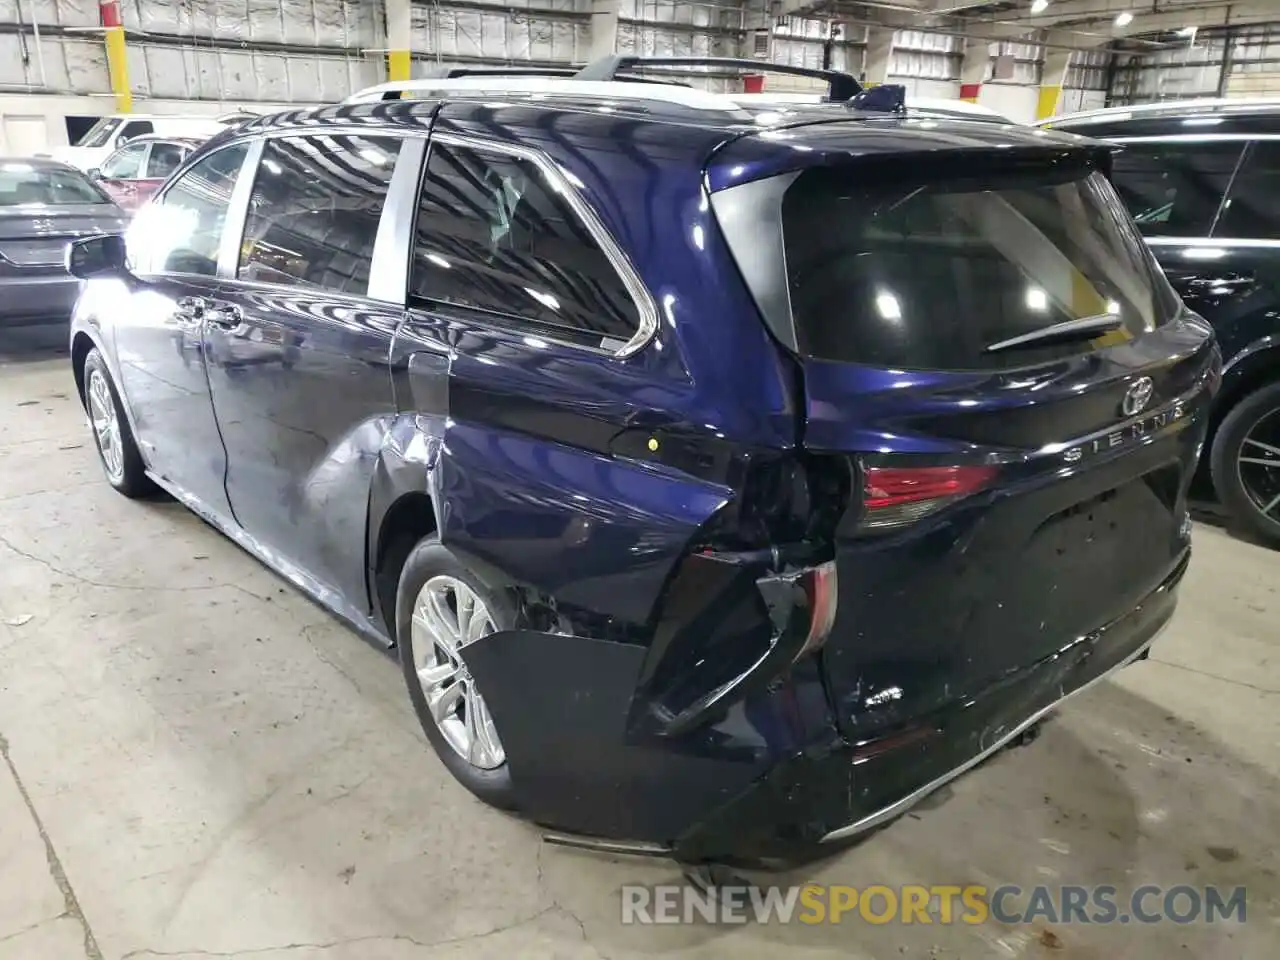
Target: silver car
{"points": [[44, 205]]}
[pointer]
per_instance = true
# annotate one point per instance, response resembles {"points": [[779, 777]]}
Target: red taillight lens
{"points": [[896, 496], [820, 588]]}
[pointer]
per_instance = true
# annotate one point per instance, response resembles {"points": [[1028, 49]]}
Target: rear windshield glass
{"points": [[922, 274], [23, 183]]}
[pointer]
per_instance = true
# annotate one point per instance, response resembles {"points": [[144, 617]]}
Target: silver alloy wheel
{"points": [[447, 616], [1261, 461], [106, 425]]}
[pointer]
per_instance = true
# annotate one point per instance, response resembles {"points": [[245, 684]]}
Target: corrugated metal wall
{"points": [[1088, 70], [210, 50], [1196, 68], [929, 56], [311, 51], [516, 31], [666, 28]]}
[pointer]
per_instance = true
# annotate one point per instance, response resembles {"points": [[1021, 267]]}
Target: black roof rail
{"points": [[455, 72], [840, 86], [886, 98]]}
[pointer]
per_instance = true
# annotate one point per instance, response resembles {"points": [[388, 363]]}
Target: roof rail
{"points": [[620, 89], [1199, 103], [840, 86], [454, 73]]}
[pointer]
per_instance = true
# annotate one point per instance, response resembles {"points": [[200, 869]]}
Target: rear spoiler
{"points": [[972, 150]]}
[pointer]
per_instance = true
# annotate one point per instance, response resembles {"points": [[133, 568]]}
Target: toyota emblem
{"points": [[1137, 397]]}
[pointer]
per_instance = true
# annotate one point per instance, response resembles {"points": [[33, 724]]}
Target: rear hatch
{"points": [[985, 346]]}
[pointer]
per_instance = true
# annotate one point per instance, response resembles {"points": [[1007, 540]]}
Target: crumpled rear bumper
{"points": [[771, 777], [841, 790]]}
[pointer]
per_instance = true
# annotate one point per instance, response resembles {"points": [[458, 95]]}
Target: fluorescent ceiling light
{"points": [[1124, 19], [1038, 6], [888, 306]]}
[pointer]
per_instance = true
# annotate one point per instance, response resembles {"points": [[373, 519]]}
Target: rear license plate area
{"points": [[34, 253], [1093, 560]]}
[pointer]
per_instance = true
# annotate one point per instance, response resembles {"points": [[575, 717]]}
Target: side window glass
{"points": [[492, 236], [1253, 209], [1174, 189], [125, 163], [137, 128], [183, 231], [314, 212], [165, 158]]}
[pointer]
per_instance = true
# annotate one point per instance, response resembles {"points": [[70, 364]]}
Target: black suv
{"points": [[1202, 180]]}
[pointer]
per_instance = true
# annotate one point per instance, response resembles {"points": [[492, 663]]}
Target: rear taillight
{"points": [[894, 497], [820, 589]]}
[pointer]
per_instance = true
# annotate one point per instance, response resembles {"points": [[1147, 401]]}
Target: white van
{"points": [[112, 132]]}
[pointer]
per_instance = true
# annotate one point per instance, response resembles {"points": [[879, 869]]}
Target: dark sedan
{"points": [[44, 205]]}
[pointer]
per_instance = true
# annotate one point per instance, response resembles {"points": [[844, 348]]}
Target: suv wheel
{"points": [[121, 461], [1246, 463], [441, 607]]}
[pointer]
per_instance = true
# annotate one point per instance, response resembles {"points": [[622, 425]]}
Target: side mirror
{"points": [[95, 173], [101, 256]]}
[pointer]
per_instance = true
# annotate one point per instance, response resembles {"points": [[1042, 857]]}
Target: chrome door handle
{"points": [[227, 317], [191, 309]]}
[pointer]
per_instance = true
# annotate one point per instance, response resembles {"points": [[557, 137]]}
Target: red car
{"points": [[138, 169]]}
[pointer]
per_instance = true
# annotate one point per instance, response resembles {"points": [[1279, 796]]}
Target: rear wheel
{"points": [[1246, 463], [441, 608], [121, 461]]}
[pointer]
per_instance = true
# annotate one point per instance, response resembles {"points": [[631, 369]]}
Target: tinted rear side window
{"points": [[922, 274], [1174, 189], [313, 215], [494, 237], [1253, 209]]}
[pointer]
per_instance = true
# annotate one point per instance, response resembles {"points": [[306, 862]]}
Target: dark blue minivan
{"points": [[727, 476]]}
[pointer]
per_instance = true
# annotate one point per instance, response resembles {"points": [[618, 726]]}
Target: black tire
{"points": [[1228, 446], [430, 558], [131, 480]]}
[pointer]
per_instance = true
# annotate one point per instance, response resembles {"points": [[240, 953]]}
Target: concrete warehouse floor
{"points": [[198, 762]]}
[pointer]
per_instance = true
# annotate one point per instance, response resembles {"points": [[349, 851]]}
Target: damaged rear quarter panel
{"points": [[576, 525], [523, 481]]}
